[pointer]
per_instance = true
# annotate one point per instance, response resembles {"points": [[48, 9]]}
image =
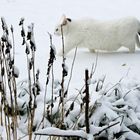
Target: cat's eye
{"points": [[56, 30]]}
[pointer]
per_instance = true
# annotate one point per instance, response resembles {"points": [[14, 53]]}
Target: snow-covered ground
{"points": [[46, 13]]}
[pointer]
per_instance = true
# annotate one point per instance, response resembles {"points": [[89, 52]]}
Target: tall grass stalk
{"points": [[32, 84], [87, 101], [9, 73], [63, 75]]}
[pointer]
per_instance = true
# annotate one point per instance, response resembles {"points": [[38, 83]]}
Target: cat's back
{"points": [[89, 22], [98, 28], [85, 24]]}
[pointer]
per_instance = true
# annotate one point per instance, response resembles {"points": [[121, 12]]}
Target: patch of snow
{"points": [[57, 132]]}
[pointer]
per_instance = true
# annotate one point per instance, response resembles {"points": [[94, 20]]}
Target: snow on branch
{"points": [[51, 131]]}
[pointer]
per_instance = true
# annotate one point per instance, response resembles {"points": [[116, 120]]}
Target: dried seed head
{"points": [[15, 72], [4, 25], [3, 38], [12, 29], [72, 106], [22, 32], [27, 51], [21, 21]]}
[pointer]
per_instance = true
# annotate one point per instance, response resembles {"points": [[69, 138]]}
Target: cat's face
{"points": [[62, 26], [59, 29]]}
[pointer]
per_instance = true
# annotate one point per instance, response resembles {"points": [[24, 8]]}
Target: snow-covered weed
{"points": [[27, 112]]}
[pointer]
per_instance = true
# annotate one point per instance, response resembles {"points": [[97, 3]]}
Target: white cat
{"points": [[99, 35]]}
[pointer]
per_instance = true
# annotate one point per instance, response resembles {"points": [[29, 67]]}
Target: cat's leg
{"points": [[92, 50], [130, 44], [131, 47]]}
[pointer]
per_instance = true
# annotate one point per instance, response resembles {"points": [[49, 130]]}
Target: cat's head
{"points": [[64, 22]]}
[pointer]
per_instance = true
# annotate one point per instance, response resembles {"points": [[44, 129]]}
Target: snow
{"points": [[57, 132], [118, 70], [96, 9]]}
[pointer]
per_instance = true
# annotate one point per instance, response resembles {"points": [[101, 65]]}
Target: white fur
{"points": [[100, 35]]}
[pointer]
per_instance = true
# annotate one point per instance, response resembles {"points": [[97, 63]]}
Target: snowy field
{"points": [[45, 14]]}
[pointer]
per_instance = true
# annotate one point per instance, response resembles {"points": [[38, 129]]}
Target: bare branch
{"points": [[97, 134]]}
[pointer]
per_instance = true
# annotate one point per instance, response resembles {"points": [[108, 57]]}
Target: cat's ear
{"points": [[69, 19], [63, 20]]}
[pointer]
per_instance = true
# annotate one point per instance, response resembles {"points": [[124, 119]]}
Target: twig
{"points": [[97, 134], [52, 80], [58, 135], [72, 66], [111, 88], [87, 102], [13, 39], [62, 83], [135, 88], [50, 65], [93, 69]]}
